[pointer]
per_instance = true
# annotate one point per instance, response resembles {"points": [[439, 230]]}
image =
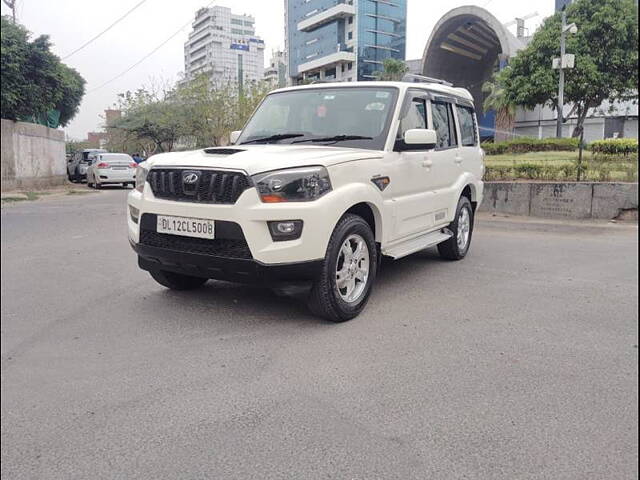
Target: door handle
{"points": [[458, 160], [427, 163]]}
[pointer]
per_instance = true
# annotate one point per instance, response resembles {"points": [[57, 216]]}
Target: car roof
{"points": [[402, 86]]}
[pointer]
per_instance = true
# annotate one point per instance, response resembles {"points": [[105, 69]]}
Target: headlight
{"points": [[293, 185], [141, 177]]}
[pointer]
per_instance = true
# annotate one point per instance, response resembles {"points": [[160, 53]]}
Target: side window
{"points": [[467, 122], [444, 125], [416, 117]]}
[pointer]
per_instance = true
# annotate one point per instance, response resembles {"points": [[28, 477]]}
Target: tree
{"points": [[393, 70], [34, 81], [496, 99], [193, 114], [606, 49], [73, 146]]}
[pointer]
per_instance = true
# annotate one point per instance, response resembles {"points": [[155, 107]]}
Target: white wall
{"points": [[33, 156]]}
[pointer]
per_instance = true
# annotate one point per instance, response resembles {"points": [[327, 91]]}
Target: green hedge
{"points": [[526, 145], [615, 146], [601, 172]]}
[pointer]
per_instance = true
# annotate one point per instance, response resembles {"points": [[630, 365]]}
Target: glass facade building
{"points": [[343, 40]]}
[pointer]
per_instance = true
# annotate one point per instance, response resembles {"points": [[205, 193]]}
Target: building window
{"points": [[350, 36], [350, 20]]}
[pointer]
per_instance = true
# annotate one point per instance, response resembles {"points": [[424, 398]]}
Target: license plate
{"points": [[186, 227], [119, 168]]}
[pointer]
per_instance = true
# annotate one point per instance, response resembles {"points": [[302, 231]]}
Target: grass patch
{"points": [[28, 196], [561, 166], [79, 192], [14, 199]]}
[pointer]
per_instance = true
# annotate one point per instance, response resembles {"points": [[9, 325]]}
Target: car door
{"points": [[409, 185], [445, 159]]}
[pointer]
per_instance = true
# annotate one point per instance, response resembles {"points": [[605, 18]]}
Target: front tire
{"points": [[177, 281], [457, 246], [348, 271]]}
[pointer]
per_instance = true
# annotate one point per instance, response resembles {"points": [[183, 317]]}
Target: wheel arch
{"points": [[370, 213], [471, 193]]}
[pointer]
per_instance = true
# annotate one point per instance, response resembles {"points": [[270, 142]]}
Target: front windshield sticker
{"points": [[375, 106], [321, 111], [382, 94], [329, 97]]}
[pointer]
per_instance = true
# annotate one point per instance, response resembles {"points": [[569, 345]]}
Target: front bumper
{"points": [[251, 217], [220, 268]]}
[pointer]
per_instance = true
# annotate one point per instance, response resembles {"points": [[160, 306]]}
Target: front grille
{"points": [[211, 186], [219, 247]]}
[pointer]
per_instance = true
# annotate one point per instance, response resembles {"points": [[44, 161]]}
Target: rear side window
{"points": [[444, 125], [466, 118]]}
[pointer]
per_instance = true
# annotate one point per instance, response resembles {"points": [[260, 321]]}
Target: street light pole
{"points": [[563, 47]]}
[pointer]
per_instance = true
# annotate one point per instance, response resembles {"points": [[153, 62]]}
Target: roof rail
{"points": [[413, 78]]}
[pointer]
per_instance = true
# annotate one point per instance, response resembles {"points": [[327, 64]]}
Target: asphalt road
{"points": [[521, 362]]}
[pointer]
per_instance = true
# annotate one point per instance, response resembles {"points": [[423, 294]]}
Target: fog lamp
{"points": [[283, 230]]}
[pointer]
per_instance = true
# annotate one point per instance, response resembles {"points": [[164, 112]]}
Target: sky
{"points": [[70, 23]]}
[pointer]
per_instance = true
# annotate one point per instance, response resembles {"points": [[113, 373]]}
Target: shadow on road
{"points": [[231, 303]]}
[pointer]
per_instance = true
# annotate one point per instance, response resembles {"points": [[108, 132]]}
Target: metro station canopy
{"points": [[466, 47]]}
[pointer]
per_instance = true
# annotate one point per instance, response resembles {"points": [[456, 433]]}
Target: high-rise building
{"points": [[276, 72], [343, 40], [225, 47]]}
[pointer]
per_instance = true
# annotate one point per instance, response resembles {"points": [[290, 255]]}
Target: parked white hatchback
{"points": [[322, 182], [111, 168]]}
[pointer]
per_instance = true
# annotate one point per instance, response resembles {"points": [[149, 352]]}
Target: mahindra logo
{"points": [[189, 178]]}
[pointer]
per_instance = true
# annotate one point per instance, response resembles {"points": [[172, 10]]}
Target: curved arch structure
{"points": [[467, 45]]}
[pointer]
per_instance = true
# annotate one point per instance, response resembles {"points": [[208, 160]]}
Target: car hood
{"points": [[261, 158]]}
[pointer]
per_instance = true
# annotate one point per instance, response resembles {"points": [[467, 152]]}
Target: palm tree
{"points": [[393, 70], [496, 99]]}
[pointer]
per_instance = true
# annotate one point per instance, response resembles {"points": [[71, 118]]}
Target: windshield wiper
{"points": [[336, 138], [274, 138]]}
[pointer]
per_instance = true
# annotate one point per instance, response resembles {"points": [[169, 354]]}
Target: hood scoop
{"points": [[222, 151]]}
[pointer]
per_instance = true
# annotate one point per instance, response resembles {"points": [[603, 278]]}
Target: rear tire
{"points": [[351, 262], [457, 246], [177, 281]]}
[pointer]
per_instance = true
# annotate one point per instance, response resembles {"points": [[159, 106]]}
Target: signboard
{"points": [[569, 61]]}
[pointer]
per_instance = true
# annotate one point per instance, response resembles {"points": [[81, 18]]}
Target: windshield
{"points": [[88, 156], [356, 117]]}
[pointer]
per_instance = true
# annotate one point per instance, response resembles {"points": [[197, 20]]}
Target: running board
{"points": [[419, 243]]}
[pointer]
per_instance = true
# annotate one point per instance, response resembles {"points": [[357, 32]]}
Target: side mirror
{"points": [[233, 137], [420, 139]]}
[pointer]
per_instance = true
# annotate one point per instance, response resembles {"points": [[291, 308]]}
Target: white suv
{"points": [[322, 182]]}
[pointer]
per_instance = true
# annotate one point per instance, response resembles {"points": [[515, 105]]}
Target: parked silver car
{"points": [[110, 168], [78, 163]]}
